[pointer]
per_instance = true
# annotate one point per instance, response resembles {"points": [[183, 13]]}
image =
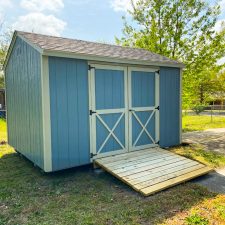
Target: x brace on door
{"points": [[143, 126], [111, 132]]}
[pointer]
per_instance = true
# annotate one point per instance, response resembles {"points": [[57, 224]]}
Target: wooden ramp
{"points": [[151, 170]]}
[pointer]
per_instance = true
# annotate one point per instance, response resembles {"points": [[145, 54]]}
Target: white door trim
{"points": [[157, 96], [97, 114]]}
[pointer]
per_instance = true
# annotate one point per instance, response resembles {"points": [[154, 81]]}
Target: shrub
{"points": [[198, 109]]}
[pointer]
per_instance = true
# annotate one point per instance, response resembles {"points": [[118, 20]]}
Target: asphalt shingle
{"points": [[67, 45]]}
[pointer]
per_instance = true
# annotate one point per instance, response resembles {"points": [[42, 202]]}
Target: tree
{"points": [[5, 37], [182, 30]]}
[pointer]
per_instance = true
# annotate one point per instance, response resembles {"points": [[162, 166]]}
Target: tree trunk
{"points": [[201, 94]]}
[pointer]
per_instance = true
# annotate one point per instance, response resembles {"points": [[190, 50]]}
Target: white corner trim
{"points": [[181, 73], [46, 114]]}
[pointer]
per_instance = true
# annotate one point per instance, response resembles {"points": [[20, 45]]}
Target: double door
{"points": [[124, 109]]}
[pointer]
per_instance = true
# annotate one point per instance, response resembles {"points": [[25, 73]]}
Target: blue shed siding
{"points": [[169, 106], [23, 99], [68, 80]]}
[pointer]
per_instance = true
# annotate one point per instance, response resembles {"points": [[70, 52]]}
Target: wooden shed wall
{"points": [[169, 106], [69, 108], [23, 99]]}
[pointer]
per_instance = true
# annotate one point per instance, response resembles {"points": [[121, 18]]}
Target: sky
{"points": [[93, 20]]}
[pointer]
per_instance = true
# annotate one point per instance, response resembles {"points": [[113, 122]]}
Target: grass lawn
{"points": [[81, 196], [196, 152], [202, 122]]}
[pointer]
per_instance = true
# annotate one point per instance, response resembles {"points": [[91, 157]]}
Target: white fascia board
{"points": [[15, 35], [10, 50]]}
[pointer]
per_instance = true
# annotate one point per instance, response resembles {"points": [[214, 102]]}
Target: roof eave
{"points": [[109, 59], [12, 43]]}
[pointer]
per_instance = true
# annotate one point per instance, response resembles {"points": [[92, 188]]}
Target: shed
{"points": [[71, 101]]}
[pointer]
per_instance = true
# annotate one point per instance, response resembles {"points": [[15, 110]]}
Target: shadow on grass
{"points": [[82, 196]]}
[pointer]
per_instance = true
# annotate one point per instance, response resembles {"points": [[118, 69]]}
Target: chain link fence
{"points": [[2, 114]]}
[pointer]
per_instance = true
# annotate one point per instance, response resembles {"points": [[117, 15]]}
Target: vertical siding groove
{"points": [[23, 98]]}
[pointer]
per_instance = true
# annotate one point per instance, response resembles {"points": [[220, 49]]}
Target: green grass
{"points": [[194, 123], [81, 196], [3, 133], [196, 219], [197, 152]]}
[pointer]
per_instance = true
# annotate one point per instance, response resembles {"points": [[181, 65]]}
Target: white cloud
{"points": [[221, 61], [5, 4], [222, 5], [42, 5], [219, 25], [40, 23], [122, 5]]}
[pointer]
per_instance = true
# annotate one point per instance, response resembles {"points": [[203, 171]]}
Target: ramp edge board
{"points": [[175, 181], [168, 179]]}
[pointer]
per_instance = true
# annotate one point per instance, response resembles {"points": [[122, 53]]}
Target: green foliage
{"points": [[2, 81], [221, 210], [198, 109], [5, 37], [196, 220], [182, 30]]}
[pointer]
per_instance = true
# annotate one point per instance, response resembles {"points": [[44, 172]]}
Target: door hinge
{"points": [[92, 155], [90, 67], [158, 71], [92, 112], [157, 142], [157, 107]]}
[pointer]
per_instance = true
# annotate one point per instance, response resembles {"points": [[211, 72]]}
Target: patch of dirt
{"points": [[211, 139]]}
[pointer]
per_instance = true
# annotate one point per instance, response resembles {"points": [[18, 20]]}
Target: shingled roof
{"points": [[85, 48]]}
